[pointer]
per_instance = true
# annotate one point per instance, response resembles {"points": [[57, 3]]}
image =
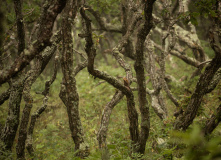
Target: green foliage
{"points": [[31, 11], [206, 7], [5, 154], [105, 6], [193, 145], [199, 8]]}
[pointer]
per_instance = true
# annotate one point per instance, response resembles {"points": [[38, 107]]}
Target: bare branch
{"points": [[20, 26], [201, 89], [103, 25], [91, 53], [213, 122], [42, 42], [4, 96], [102, 133]]}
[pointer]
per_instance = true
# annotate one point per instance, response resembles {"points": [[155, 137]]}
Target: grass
{"points": [[52, 137]]}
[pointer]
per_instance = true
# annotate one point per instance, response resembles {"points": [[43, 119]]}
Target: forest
{"points": [[110, 79]]}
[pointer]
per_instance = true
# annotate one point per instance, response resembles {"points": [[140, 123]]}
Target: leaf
{"points": [[39, 146]]}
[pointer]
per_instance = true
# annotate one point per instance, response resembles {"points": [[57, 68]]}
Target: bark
{"points": [[12, 122], [2, 32], [20, 26], [43, 40], [127, 13], [140, 75], [192, 41], [5, 96], [29, 140], [91, 53], [157, 102], [182, 56], [163, 81], [102, 133], [35, 115], [31, 77], [1, 35], [214, 82], [213, 122], [71, 95], [103, 25], [201, 88]]}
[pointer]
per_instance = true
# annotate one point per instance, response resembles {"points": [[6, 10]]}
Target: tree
{"points": [[149, 35]]}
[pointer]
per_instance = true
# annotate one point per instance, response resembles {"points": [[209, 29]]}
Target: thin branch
{"points": [[4, 96], [213, 122], [43, 40], [103, 25]]}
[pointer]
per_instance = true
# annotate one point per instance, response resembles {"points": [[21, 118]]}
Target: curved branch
{"points": [[201, 89], [4, 96], [43, 40], [213, 122], [140, 74], [91, 53], [102, 133], [103, 25]]}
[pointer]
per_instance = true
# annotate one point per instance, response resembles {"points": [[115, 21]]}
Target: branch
{"points": [[156, 99], [103, 25], [213, 122], [186, 59], [202, 86], [49, 82], [214, 82], [42, 42], [102, 133], [30, 78], [20, 26], [140, 74], [191, 40], [34, 116], [91, 53], [4, 96]]}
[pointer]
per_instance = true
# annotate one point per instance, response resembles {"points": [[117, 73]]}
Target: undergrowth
{"points": [[52, 137]]}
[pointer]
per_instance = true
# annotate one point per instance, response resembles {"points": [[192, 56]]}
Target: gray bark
{"points": [[71, 97]]}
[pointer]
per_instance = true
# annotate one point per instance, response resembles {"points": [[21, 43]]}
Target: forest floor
{"points": [[52, 137]]}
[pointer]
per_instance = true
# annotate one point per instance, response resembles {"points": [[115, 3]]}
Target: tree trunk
{"points": [[201, 88], [71, 97], [12, 122], [102, 133]]}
